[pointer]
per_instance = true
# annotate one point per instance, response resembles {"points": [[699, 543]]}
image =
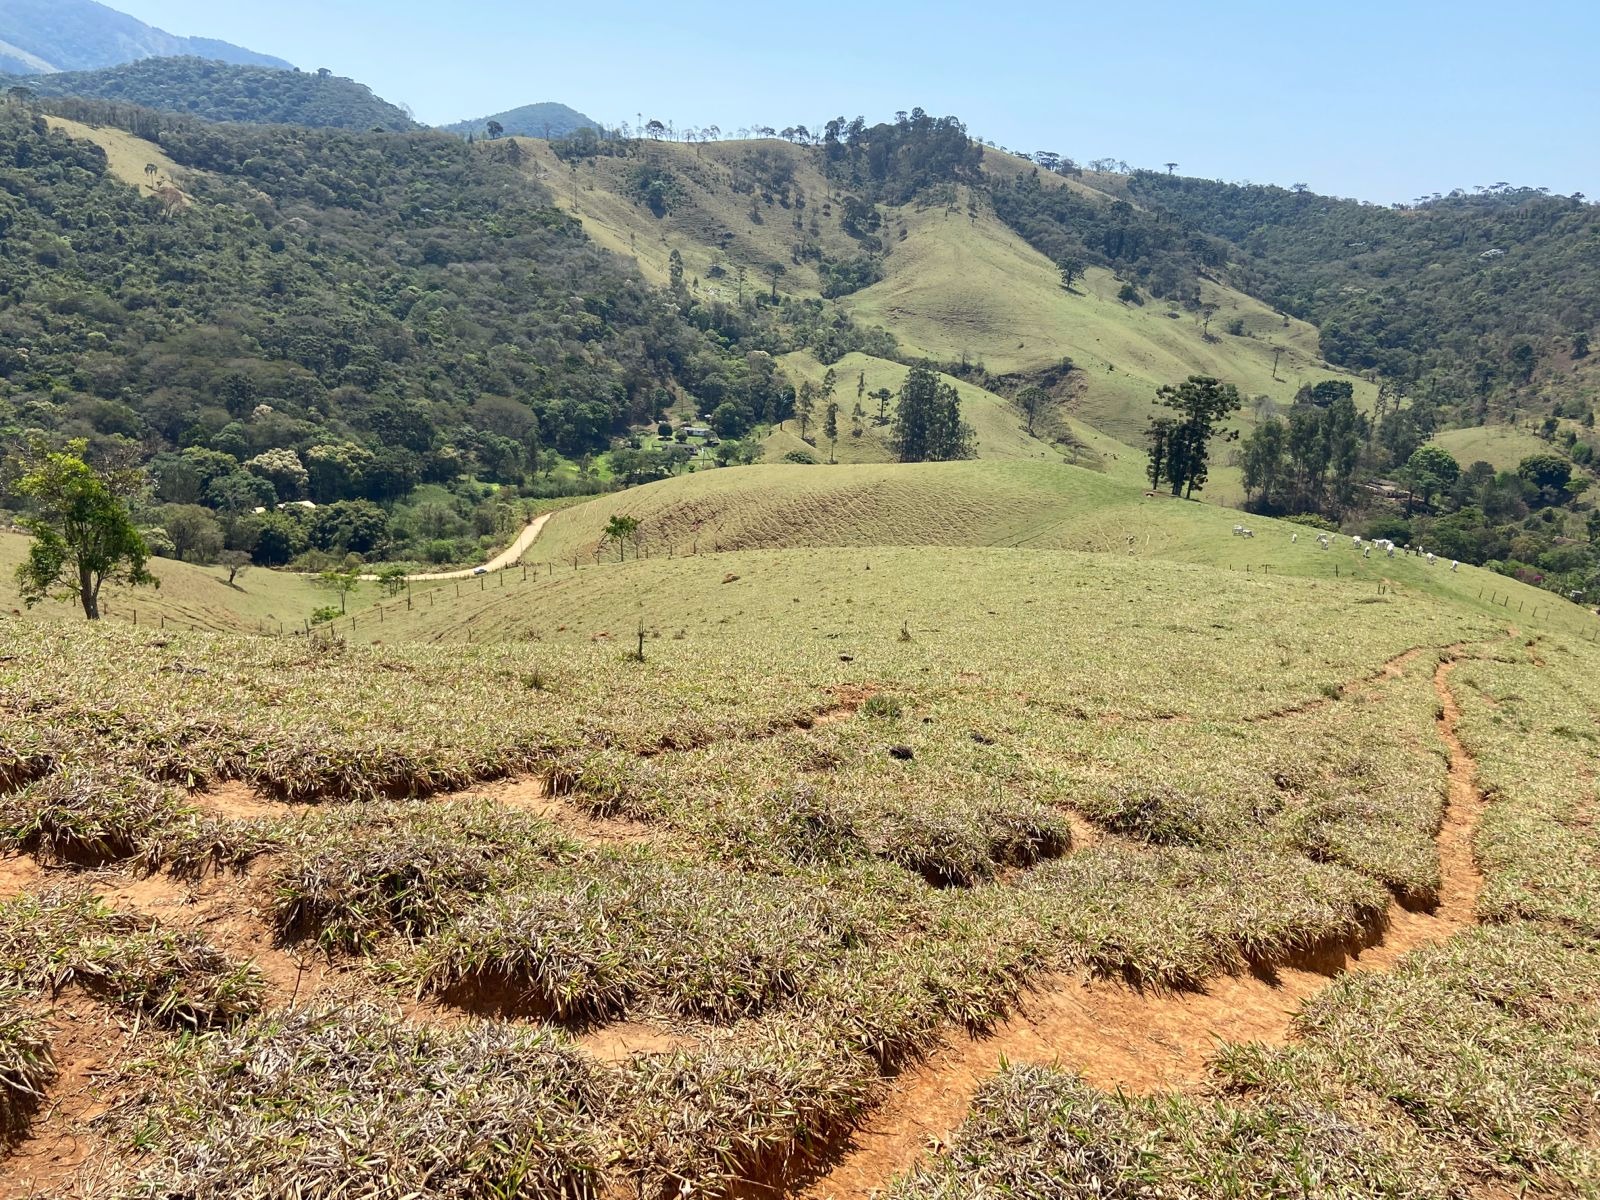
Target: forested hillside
{"points": [[1479, 297], [547, 120], [342, 316], [216, 91], [81, 35]]}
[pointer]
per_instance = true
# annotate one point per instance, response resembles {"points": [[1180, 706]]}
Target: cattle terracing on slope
{"points": [[741, 871]]}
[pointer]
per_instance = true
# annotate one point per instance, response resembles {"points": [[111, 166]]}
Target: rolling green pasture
{"points": [[903, 745]]}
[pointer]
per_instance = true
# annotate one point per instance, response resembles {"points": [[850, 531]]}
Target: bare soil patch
{"points": [[1140, 1041]]}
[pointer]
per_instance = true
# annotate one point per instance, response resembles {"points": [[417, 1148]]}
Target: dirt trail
{"points": [[509, 557], [1117, 1037]]}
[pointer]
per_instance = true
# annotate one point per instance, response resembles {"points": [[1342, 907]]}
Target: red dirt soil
{"points": [[1117, 1037]]}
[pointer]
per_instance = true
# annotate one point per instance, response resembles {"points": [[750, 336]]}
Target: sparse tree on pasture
{"points": [[622, 530], [1031, 402], [83, 536]]}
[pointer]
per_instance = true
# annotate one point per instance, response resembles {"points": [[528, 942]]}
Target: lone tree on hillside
{"points": [[235, 563], [1171, 167], [830, 427], [622, 530], [1180, 445], [83, 537], [927, 421], [1031, 402], [341, 583], [1071, 269], [494, 129]]}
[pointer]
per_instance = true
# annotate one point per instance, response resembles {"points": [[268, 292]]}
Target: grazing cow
{"points": [[1454, 563]]}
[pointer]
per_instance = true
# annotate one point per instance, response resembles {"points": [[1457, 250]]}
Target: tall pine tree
{"points": [[927, 423]]}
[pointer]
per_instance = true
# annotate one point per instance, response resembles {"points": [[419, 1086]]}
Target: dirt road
{"points": [[506, 558]]}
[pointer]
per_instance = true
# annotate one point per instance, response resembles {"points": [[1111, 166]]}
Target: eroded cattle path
{"points": [[1116, 1037]]}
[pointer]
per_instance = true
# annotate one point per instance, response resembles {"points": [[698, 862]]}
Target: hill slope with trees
{"points": [[208, 90], [38, 36], [546, 120]]}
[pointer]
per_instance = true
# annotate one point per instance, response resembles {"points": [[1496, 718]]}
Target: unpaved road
{"points": [[506, 558]]}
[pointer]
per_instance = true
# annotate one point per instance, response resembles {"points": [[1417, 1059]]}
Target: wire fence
{"points": [[1554, 616]]}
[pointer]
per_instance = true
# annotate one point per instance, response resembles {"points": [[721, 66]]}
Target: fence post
{"points": [[458, 589], [136, 616]]}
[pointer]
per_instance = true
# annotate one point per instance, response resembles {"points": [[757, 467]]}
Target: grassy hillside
{"points": [[189, 597], [710, 223], [1000, 429], [958, 284], [695, 530], [966, 287], [875, 822], [1501, 446], [127, 156]]}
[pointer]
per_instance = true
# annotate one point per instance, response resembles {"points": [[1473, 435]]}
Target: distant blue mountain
{"points": [[38, 37]]}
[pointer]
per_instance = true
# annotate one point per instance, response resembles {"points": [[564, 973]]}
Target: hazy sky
{"points": [[1380, 99]]}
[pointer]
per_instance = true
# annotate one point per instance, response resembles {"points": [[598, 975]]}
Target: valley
{"points": [[550, 661]]}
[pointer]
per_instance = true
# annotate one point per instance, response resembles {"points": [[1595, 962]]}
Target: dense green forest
{"points": [[215, 91], [340, 316], [1471, 293]]}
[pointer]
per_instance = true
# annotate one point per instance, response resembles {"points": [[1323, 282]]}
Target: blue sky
{"points": [[1380, 100]]}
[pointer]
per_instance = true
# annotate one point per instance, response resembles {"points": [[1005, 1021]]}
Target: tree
{"points": [[341, 582], [927, 421], [1580, 345], [830, 427], [1550, 473], [621, 530], [194, 532], [83, 537], [494, 129], [1429, 470], [1171, 167], [1031, 402], [883, 396], [392, 580], [805, 404], [1200, 402], [1071, 269], [236, 563], [1264, 468], [675, 271]]}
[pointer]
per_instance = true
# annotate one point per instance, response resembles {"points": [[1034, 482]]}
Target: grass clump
{"points": [[614, 932], [741, 1107], [89, 815], [69, 937], [1041, 1134], [340, 1100], [26, 1065], [352, 877]]}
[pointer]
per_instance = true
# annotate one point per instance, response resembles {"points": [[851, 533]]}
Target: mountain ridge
{"points": [[40, 37]]}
